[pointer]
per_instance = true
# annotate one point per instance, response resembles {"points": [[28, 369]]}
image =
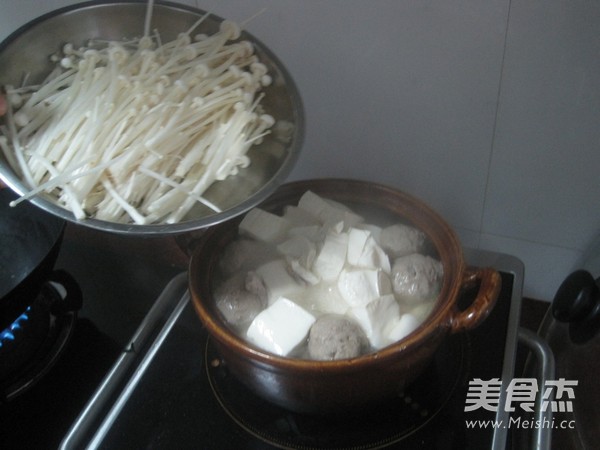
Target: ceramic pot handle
{"points": [[490, 282]]}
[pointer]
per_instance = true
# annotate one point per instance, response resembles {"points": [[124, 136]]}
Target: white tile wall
{"points": [[488, 110]]}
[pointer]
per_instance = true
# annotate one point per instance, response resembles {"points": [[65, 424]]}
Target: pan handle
{"points": [[490, 282]]}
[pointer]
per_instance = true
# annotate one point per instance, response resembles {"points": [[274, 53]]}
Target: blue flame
{"points": [[8, 334]]}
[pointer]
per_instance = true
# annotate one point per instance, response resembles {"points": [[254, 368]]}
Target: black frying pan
{"points": [[30, 241]]}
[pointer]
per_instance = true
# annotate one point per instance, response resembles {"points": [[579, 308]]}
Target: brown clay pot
{"points": [[333, 386]]}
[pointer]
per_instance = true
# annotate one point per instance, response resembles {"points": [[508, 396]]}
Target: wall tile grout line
{"points": [[493, 137]]}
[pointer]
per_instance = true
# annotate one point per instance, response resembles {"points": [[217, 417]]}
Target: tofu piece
{"points": [[328, 211], [277, 280], [403, 327], [280, 327], [331, 257], [299, 217], [333, 226], [401, 240], [303, 273], [325, 298], [357, 239], [314, 233], [264, 226], [422, 309], [360, 287], [376, 318], [364, 251], [374, 229], [300, 249], [373, 256]]}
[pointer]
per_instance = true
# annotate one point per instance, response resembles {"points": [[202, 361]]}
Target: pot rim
{"points": [[437, 322]]}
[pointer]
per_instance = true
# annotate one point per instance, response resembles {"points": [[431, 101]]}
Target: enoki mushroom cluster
{"points": [[136, 131]]}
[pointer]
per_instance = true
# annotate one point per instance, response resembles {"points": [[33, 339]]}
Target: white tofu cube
{"points": [[375, 230], [303, 273], [328, 211], [333, 226], [364, 251], [325, 298], [264, 226], [314, 233], [406, 324], [331, 257], [360, 287], [376, 318], [280, 327], [300, 249], [422, 309], [277, 280], [400, 240], [357, 239], [373, 256], [299, 217]]}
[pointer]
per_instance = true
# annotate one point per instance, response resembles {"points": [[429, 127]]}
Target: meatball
{"points": [[401, 240], [416, 277], [241, 298], [333, 336]]}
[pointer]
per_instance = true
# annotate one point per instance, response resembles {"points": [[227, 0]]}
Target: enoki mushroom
{"points": [[136, 131]]}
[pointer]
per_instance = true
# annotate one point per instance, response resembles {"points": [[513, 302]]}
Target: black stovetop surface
{"points": [[169, 392], [177, 393]]}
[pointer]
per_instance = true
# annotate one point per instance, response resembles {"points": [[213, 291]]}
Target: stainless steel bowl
{"points": [[27, 50]]}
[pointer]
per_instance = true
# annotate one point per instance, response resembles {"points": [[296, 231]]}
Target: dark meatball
{"points": [[333, 336], [416, 277], [241, 298]]}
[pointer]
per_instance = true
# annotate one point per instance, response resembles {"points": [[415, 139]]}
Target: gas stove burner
{"points": [[397, 421], [8, 335], [34, 341], [20, 341]]}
